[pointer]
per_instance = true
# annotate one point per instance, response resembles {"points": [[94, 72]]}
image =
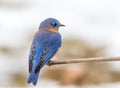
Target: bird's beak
{"points": [[61, 25]]}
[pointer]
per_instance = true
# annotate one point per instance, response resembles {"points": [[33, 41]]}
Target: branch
{"points": [[83, 60]]}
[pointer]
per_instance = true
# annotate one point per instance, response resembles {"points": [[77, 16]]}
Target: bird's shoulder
{"points": [[54, 40], [55, 36]]}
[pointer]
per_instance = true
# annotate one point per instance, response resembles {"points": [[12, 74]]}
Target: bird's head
{"points": [[51, 23]]}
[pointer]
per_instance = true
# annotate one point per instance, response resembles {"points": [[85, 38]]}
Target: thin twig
{"points": [[83, 60]]}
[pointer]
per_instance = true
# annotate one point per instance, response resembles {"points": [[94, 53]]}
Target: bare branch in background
{"points": [[83, 60]]}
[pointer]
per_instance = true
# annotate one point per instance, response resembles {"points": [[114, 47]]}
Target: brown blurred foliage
{"points": [[74, 48]]}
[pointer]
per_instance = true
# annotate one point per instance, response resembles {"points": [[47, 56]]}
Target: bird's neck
{"points": [[51, 29]]}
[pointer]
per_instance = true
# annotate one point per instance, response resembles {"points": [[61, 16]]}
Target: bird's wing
{"points": [[50, 48], [34, 58], [31, 56], [36, 49]]}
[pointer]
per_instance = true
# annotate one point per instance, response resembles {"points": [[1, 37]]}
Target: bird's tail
{"points": [[33, 77]]}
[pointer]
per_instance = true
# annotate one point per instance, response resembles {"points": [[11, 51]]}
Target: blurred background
{"points": [[92, 30]]}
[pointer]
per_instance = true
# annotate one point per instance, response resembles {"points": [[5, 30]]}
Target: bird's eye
{"points": [[54, 24]]}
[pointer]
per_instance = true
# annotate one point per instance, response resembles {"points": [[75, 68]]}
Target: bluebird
{"points": [[45, 44]]}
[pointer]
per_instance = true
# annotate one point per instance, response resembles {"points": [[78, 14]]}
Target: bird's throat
{"points": [[51, 29]]}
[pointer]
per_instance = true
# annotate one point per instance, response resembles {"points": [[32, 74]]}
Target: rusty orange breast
{"points": [[51, 29]]}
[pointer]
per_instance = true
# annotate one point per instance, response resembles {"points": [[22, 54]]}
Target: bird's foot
{"points": [[49, 63]]}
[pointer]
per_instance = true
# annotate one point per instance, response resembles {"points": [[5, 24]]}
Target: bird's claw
{"points": [[49, 63]]}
